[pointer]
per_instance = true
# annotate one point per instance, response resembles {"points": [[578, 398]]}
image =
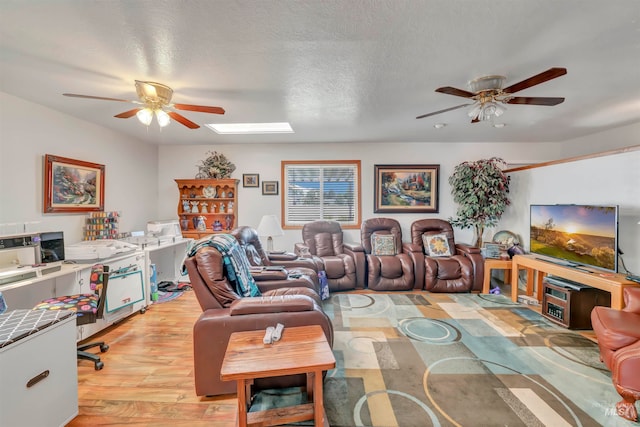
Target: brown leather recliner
{"points": [[250, 242], [390, 272], [462, 271], [344, 263], [225, 312], [618, 335]]}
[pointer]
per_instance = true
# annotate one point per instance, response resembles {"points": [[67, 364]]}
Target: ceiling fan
{"points": [[488, 94], [155, 98]]}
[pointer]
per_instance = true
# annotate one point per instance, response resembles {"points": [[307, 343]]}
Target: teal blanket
{"points": [[236, 264]]}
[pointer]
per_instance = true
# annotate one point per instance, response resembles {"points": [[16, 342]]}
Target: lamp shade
{"points": [[269, 227]]}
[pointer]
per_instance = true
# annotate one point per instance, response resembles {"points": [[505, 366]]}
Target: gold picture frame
{"points": [[406, 188]]}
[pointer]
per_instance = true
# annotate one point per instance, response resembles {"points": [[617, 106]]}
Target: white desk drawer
{"points": [[39, 378]]}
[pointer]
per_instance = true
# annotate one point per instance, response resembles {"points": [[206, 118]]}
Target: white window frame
{"points": [[288, 222]]}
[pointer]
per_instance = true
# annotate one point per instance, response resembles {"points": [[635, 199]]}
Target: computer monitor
{"points": [[52, 246]]}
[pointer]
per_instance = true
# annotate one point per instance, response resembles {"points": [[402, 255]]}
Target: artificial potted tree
{"points": [[480, 189]]}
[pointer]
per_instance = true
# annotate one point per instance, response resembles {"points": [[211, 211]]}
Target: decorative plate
{"points": [[209, 191], [506, 238]]}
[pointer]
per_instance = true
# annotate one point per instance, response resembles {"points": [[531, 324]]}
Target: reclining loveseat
{"points": [[223, 284]]}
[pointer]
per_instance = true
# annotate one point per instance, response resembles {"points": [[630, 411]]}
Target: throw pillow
{"points": [[383, 244], [436, 245]]}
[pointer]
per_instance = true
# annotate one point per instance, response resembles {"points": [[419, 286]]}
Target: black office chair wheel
{"points": [[99, 365], [103, 348]]}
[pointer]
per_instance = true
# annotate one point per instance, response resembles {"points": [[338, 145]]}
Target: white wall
{"points": [[28, 131], [181, 161], [607, 180]]}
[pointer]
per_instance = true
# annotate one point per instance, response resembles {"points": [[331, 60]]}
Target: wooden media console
{"points": [[537, 268]]}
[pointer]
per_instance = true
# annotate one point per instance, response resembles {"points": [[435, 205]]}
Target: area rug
{"points": [[164, 296], [458, 360]]}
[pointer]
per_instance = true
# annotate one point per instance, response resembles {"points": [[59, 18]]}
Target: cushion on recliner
{"points": [[448, 269], [334, 267], [383, 244], [324, 244], [436, 245]]}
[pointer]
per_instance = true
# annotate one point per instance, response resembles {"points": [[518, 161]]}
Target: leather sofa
{"points": [[292, 302], [344, 263], [250, 242], [388, 269], [618, 335], [460, 271]]}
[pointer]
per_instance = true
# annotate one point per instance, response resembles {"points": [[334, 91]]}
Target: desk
{"points": [[301, 350], [610, 282], [490, 264]]}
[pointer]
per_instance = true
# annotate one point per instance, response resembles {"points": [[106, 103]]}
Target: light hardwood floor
{"points": [[147, 379]]}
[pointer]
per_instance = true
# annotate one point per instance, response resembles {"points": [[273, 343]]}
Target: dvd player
{"points": [[565, 283]]}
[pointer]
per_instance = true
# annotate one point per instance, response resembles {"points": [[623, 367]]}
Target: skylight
{"points": [[250, 128]]}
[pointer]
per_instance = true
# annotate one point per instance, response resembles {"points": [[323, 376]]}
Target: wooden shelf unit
{"points": [[221, 199]]}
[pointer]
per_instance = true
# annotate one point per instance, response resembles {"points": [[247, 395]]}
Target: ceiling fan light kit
{"points": [[155, 99], [489, 96]]}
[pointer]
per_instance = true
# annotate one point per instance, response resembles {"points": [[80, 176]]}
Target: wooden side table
{"points": [[301, 350], [500, 264]]}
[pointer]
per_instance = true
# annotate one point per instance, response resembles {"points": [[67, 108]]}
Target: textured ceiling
{"points": [[342, 71]]}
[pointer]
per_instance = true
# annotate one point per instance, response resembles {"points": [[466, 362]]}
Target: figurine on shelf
{"points": [[203, 207], [202, 224], [223, 194], [184, 223], [230, 208], [230, 194], [217, 226], [222, 208], [194, 206], [228, 220], [185, 206]]}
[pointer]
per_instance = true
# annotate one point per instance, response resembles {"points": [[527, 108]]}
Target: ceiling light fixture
{"points": [[145, 116], [439, 125], [499, 125], [250, 128], [163, 118]]}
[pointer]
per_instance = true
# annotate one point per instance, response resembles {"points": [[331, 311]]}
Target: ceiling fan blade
{"points": [[183, 120], [199, 108], [128, 114], [75, 95], [545, 76], [534, 101], [456, 92], [476, 120], [442, 111]]}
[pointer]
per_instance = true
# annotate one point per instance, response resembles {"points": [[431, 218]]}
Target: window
{"points": [[321, 190]]}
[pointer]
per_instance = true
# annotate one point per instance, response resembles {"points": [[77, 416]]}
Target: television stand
{"points": [[537, 269]]}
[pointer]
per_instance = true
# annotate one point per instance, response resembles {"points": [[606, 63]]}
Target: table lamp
{"points": [[269, 227]]}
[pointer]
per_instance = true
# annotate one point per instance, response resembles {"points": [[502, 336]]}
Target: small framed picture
{"points": [[250, 180], [491, 250], [270, 188]]}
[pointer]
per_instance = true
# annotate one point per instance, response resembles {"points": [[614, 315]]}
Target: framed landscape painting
{"points": [[72, 185], [406, 188]]}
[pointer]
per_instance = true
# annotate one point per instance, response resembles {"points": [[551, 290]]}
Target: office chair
{"points": [[88, 308]]}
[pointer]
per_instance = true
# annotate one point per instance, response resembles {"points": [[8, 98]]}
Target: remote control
{"points": [[633, 278], [277, 333], [268, 335]]}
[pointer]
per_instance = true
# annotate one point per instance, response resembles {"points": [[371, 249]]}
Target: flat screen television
{"points": [[576, 235]]}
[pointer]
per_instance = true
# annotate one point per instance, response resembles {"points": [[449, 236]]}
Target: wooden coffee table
{"points": [[301, 350]]}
